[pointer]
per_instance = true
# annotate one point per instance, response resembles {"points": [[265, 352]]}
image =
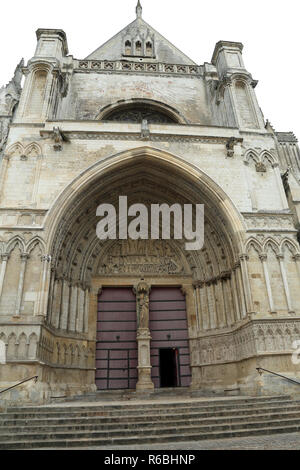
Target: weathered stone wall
{"points": [[60, 158]]}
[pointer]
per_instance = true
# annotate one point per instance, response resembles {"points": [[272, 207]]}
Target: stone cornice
{"points": [[137, 136], [133, 67]]}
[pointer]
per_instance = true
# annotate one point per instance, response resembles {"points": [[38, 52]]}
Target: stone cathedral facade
{"points": [[137, 117]]}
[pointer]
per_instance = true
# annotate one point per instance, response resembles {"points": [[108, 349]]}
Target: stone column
{"points": [[246, 281], [56, 302], [41, 308], [65, 303], [280, 258], [24, 258], [4, 258], [263, 258], [213, 320], [188, 292], [143, 337], [73, 307], [240, 290], [87, 289], [51, 294], [198, 307], [235, 295], [80, 304]]}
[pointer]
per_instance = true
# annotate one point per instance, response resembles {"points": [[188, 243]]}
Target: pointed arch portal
{"points": [[84, 267]]}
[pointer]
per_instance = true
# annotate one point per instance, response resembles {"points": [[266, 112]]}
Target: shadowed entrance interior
{"points": [[168, 367]]}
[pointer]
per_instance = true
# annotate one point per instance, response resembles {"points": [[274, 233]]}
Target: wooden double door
{"points": [[116, 348]]}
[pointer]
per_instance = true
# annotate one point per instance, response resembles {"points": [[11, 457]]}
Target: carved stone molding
{"points": [[159, 69], [141, 257], [256, 338], [152, 137], [269, 222]]}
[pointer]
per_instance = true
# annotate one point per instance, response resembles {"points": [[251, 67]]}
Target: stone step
{"points": [[78, 419], [135, 409], [143, 432], [109, 423], [60, 412], [161, 404], [94, 425], [89, 442]]}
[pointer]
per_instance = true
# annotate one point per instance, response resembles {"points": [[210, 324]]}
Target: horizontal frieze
{"points": [[105, 66], [182, 138], [267, 222]]}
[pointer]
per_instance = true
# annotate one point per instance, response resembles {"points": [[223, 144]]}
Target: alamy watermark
{"points": [[188, 222]]}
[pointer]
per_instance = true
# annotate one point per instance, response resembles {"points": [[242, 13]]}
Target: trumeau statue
{"points": [[143, 303], [142, 295]]}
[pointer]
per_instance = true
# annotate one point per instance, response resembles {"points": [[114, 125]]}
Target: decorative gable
{"points": [[139, 40]]}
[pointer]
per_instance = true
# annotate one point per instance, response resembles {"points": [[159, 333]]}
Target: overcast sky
{"points": [[269, 30]]}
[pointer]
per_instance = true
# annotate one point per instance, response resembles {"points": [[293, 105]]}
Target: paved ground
{"points": [[272, 442]]}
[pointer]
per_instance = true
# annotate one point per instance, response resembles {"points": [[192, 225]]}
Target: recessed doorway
{"points": [[168, 366]]}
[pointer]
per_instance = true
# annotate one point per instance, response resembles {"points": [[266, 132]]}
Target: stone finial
{"points": [[139, 10]]}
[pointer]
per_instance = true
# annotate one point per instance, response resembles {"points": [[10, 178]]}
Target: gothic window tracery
{"points": [[138, 114]]}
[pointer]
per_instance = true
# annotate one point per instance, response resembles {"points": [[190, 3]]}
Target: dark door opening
{"points": [[168, 366]]}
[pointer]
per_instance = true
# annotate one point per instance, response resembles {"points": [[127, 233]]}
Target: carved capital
{"points": [[263, 257], [187, 290], [198, 284], [260, 167], [24, 257], [46, 258], [6, 256]]}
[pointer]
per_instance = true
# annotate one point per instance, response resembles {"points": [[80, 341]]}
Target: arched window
{"points": [[128, 48], [138, 48], [137, 112], [149, 49]]}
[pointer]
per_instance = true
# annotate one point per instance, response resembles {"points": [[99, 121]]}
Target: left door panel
{"points": [[116, 348]]}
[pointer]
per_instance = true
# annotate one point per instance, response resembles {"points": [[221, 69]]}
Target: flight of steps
{"points": [[102, 425]]}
